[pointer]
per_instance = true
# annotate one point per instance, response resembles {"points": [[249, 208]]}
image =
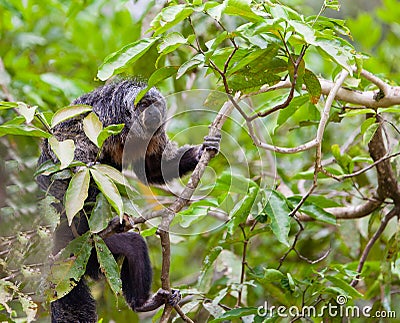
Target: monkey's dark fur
{"points": [[154, 159]]}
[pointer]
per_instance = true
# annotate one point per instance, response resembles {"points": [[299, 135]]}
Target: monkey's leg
{"points": [[77, 306], [136, 273]]}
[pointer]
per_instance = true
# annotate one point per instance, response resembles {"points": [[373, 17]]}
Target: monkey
{"points": [[144, 144]]}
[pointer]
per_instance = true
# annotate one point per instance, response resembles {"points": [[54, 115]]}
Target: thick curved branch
{"points": [[362, 98]]}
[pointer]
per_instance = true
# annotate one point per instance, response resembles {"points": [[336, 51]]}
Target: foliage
{"points": [[298, 190]]}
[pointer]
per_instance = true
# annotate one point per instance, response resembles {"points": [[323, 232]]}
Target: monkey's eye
{"points": [[143, 104]]}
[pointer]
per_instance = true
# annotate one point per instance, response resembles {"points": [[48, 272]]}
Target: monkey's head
{"points": [[149, 115]]}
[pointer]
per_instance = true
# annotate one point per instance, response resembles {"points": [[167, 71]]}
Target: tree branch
{"points": [[168, 214]]}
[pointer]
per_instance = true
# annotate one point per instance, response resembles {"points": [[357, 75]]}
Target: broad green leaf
{"points": [[64, 150], [366, 124], [69, 267], [28, 112], [68, 113], [345, 286], [312, 85], [108, 265], [114, 174], [395, 109], [77, 193], [288, 112], [254, 61], [320, 200], [155, 78], [110, 191], [22, 130], [113, 129], [236, 313], [277, 210], [101, 214], [215, 12], [302, 29], [208, 262], [92, 127], [369, 133], [190, 64], [249, 82], [242, 9], [337, 52], [228, 182], [169, 17], [149, 232], [124, 57], [343, 159], [314, 211], [171, 42], [242, 210]]}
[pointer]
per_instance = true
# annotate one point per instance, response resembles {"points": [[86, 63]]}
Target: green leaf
{"points": [[113, 129], [337, 51], [69, 267], [249, 82], [190, 64], [242, 210], [236, 313], [228, 182], [108, 265], [208, 262], [312, 85], [277, 210], [303, 30], [77, 193], [155, 78], [101, 214], [356, 112], [149, 232], [5, 105], [395, 109], [343, 285], [169, 17], [313, 210], [110, 191], [26, 111], [366, 124], [242, 9], [92, 127], [320, 200], [22, 130], [114, 174], [68, 113], [64, 150], [332, 4], [171, 42], [123, 57], [369, 133]]}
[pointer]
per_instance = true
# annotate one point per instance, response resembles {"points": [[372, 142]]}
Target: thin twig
{"points": [[371, 242]]}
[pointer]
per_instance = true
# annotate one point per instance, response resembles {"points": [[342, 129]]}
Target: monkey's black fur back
{"points": [[155, 159]]}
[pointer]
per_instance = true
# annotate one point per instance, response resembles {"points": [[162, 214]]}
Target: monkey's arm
{"points": [[172, 162], [160, 298]]}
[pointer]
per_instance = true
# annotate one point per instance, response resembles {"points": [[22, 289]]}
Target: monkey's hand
{"points": [[160, 298], [210, 143]]}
